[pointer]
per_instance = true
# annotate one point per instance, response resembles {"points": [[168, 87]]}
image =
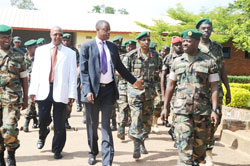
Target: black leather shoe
{"points": [[58, 156], [92, 159], [40, 142], [67, 126]]}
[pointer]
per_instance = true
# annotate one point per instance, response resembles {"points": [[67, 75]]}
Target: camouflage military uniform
{"points": [[146, 68], [11, 65], [157, 100], [31, 110], [192, 106], [123, 113], [215, 52]]}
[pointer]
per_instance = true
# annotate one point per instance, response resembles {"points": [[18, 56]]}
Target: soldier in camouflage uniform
{"points": [[157, 100], [167, 63], [40, 42], [29, 59], [214, 50], [192, 74], [67, 42], [13, 95], [143, 63], [123, 114], [117, 40]]}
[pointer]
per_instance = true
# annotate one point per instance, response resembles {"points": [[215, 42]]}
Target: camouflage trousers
{"points": [[211, 142], [157, 105], [192, 135], [9, 116], [141, 117], [31, 110], [123, 113], [68, 110]]}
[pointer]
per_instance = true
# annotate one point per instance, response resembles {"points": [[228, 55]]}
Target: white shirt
{"points": [[107, 77]]}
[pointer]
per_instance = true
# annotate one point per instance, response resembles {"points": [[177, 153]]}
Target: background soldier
{"points": [[17, 45], [123, 114], [117, 40], [164, 51], [143, 63], [67, 42], [29, 59], [13, 94], [192, 74], [40, 42], [214, 50]]}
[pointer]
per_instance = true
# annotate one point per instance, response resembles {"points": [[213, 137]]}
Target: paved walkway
{"points": [[160, 147]]}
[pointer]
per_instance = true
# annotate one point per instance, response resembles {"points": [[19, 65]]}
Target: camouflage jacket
{"points": [[168, 61], [192, 92], [28, 63], [146, 68], [11, 65], [215, 52], [122, 84]]}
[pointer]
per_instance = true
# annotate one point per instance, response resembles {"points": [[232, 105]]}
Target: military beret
{"points": [[176, 40], [116, 38], [67, 35], [130, 42], [5, 30], [16, 39], [204, 20], [30, 43], [143, 34], [153, 44], [40, 41], [123, 45], [191, 33], [165, 48]]}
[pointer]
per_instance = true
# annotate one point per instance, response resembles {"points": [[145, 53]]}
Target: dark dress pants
{"points": [[104, 103], [59, 116]]}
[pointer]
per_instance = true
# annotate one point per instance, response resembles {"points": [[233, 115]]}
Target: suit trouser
{"points": [[59, 116], [104, 103]]}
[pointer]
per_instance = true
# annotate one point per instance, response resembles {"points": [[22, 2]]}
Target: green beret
{"points": [[143, 34], [123, 45], [66, 35], [116, 38], [165, 48], [153, 44], [191, 33], [40, 41], [204, 20], [30, 43], [5, 30], [130, 42]]}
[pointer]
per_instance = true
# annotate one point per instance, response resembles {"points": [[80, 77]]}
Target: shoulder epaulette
{"points": [[217, 44]]}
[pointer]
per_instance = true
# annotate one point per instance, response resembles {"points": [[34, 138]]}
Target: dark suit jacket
{"points": [[91, 69]]}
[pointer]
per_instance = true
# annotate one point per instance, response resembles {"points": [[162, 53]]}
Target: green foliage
{"points": [[239, 79], [123, 11], [239, 85], [241, 26], [107, 10], [96, 9], [240, 97], [23, 4]]}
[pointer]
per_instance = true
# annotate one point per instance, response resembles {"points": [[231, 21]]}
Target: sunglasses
{"points": [[145, 39]]}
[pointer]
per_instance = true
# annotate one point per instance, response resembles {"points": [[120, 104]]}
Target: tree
{"points": [[109, 10], [96, 9], [241, 25], [123, 11], [23, 4]]}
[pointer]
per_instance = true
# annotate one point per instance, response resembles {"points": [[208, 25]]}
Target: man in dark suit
{"points": [[98, 61]]}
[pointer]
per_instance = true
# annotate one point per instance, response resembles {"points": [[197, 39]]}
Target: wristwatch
{"points": [[217, 111]]}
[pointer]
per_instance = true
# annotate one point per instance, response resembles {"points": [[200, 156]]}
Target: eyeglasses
{"points": [[58, 34], [145, 40]]}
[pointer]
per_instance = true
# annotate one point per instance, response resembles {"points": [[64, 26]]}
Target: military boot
{"points": [[11, 158], [143, 148], [113, 127], [67, 126], [2, 162], [26, 125], [121, 132], [137, 153], [35, 123]]}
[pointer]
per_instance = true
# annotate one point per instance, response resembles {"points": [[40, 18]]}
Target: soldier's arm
{"points": [[25, 92], [163, 80], [214, 90], [225, 82]]}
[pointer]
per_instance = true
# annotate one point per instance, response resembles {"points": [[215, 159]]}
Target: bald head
{"points": [[101, 24], [56, 34]]}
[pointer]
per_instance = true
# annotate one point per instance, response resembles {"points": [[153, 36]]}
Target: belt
{"points": [[105, 85], [51, 84]]}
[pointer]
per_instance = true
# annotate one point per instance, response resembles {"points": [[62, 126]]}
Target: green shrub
{"points": [[240, 97], [239, 79]]}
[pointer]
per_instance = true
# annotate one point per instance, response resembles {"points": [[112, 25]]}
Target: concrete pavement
{"points": [[75, 153]]}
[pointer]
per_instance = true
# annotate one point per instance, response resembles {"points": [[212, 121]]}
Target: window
{"points": [[247, 55], [88, 37], [226, 52]]}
